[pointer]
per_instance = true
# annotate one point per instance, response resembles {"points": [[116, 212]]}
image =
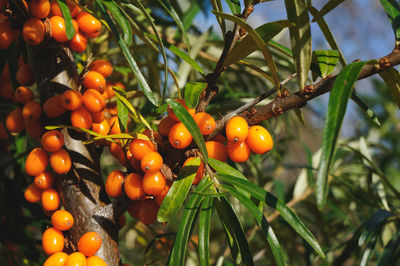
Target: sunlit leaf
{"points": [[327, 60], [121, 19], [192, 93], [392, 79], [69, 27], [204, 231], [392, 9]]}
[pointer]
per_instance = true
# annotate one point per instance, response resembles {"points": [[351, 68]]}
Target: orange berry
{"points": [[6, 35], [140, 147], [238, 152], [52, 241], [114, 183], [179, 136], [81, 118], [154, 183], [151, 162], [32, 111], [160, 198], [76, 259], [114, 122], [15, 121], [71, 100], [205, 122], [110, 90], [95, 261], [44, 180], [6, 89], [25, 75], [89, 243], [102, 66], [39, 8], [23, 94], [134, 209], [165, 125], [50, 199], [36, 162], [33, 193], [181, 101], [93, 101], [217, 150], [102, 128], [116, 149], [60, 161], [200, 171], [94, 80], [33, 31], [57, 259], [56, 11], [52, 140], [58, 29], [259, 140], [52, 107], [88, 24], [78, 43], [237, 129], [62, 220], [34, 129], [148, 211], [98, 117], [133, 186]]}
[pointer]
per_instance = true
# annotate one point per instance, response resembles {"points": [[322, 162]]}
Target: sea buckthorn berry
{"points": [[135, 163], [116, 149], [52, 107], [154, 183], [114, 183], [33, 31], [50, 199], [200, 171], [39, 8], [25, 75], [32, 111], [56, 11], [52, 241], [34, 129], [102, 66], [238, 152], [179, 136], [205, 122], [181, 101], [160, 198], [110, 90], [6, 35], [62, 220], [217, 150], [88, 24], [165, 125], [115, 128], [140, 147], [6, 89], [58, 29], [71, 100], [102, 128], [95, 261], [151, 162], [23, 94], [134, 209], [219, 138], [148, 211], [94, 80], [133, 186], [76, 259], [36, 162], [78, 43], [237, 129], [93, 101], [32, 193], [15, 121], [98, 117], [89, 243], [259, 140], [58, 258], [81, 118], [44, 180], [52, 141], [60, 161]]}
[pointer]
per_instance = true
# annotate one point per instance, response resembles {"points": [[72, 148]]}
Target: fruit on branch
{"points": [[76, 259], [103, 67], [62, 220], [133, 186], [44, 180], [200, 170], [23, 94], [237, 129], [33, 31], [52, 241], [205, 122], [89, 243], [60, 161], [151, 162], [94, 80], [114, 183], [15, 121], [52, 141], [179, 136], [259, 140], [58, 258], [183, 103], [33, 193], [53, 107], [50, 199], [39, 8], [36, 162]]}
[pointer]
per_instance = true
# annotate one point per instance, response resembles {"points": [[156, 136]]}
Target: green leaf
{"points": [[338, 99], [366, 109], [69, 27], [327, 60], [132, 63], [185, 57], [190, 14], [387, 257], [332, 4], [178, 192], [392, 9], [280, 48], [122, 115], [177, 256], [234, 6], [234, 231], [121, 19], [392, 79], [286, 213], [263, 223], [192, 93], [216, 5], [247, 46], [204, 231], [300, 38], [184, 116]]}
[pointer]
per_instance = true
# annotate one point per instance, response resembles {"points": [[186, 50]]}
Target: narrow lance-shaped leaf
{"points": [[338, 99], [327, 60], [121, 19], [122, 115], [366, 109], [234, 6], [392, 79], [192, 93], [69, 27], [204, 231], [332, 4], [286, 213], [392, 9], [300, 38]]}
